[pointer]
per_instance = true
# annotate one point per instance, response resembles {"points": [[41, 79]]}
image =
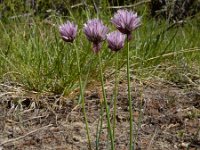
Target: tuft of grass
{"points": [[33, 54]]}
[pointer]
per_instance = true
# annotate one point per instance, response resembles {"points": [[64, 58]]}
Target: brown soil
{"points": [[166, 116]]}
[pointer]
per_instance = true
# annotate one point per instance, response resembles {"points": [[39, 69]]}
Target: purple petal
{"points": [[126, 21], [115, 40], [95, 32], [68, 31]]}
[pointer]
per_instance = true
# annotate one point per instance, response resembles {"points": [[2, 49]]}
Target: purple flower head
{"points": [[126, 21], [116, 40], [95, 32], [68, 31]]}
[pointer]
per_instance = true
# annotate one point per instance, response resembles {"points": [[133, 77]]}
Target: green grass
{"points": [[33, 54]]}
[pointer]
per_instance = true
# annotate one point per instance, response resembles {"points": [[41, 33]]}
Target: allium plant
{"points": [[95, 32], [126, 22], [115, 40], [68, 33]]}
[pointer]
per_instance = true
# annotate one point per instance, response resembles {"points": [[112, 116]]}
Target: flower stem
{"points": [[115, 94], [129, 97], [105, 103], [99, 127], [83, 100]]}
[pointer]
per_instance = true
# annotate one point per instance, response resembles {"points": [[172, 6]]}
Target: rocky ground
{"points": [[166, 116]]}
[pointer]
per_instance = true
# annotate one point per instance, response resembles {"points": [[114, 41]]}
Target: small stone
{"points": [[76, 139], [184, 145]]}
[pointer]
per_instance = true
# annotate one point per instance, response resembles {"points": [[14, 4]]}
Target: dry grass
{"points": [[170, 117]]}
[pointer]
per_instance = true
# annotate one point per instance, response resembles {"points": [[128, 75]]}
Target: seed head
{"points": [[68, 31], [116, 40]]}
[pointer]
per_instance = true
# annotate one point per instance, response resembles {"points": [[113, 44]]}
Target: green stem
{"points": [[129, 97], [105, 103], [139, 118], [115, 94], [83, 100], [99, 127]]}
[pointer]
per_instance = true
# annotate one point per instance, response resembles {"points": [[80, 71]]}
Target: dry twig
{"points": [[21, 137]]}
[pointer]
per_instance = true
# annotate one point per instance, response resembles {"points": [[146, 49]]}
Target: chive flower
{"points": [[68, 31], [116, 40], [95, 32], [126, 21]]}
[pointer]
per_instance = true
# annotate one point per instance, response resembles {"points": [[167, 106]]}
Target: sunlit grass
{"points": [[33, 54]]}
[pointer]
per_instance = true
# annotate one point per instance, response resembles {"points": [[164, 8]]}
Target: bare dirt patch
{"points": [[166, 116]]}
